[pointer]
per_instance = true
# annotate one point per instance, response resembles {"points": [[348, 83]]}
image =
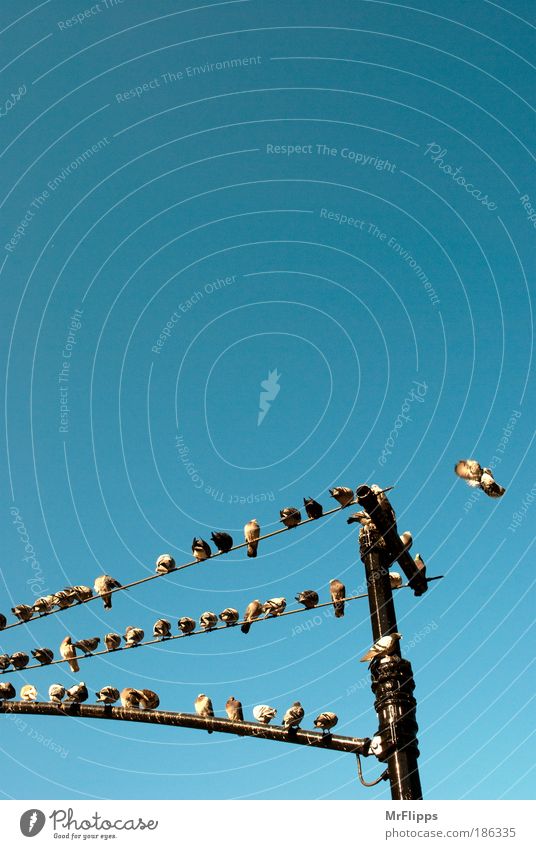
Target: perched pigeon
{"points": [[252, 532], [7, 691], [149, 700], [43, 656], [22, 612], [187, 625], [274, 606], [112, 641], [130, 697], [343, 494], [19, 660], [407, 540], [82, 593], [396, 580], [326, 721], [78, 693], [5, 660], [293, 716], [233, 709], [361, 517], [419, 562], [68, 652], [208, 620], [230, 616], [103, 586], [290, 516], [162, 629], [88, 645], [56, 693], [28, 693], [107, 695], [253, 611], [384, 646], [64, 599], [222, 541], [337, 592], [384, 504], [200, 549], [44, 604], [309, 598], [476, 475], [264, 713], [164, 564], [3, 621], [203, 707], [313, 509], [133, 636]]}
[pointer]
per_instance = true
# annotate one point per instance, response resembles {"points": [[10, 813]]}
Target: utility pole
{"points": [[392, 676]]}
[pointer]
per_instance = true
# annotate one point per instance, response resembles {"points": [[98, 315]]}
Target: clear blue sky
{"points": [[416, 124]]}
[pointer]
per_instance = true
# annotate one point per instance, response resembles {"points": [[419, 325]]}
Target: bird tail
{"points": [[74, 665], [370, 655], [107, 599], [245, 627], [252, 549], [339, 610]]}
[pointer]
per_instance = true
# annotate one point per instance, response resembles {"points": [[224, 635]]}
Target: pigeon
{"points": [[5, 660], [78, 693], [22, 612], [476, 475], [233, 708], [44, 604], [384, 504], [326, 721], [112, 641], [28, 693], [419, 562], [396, 580], [290, 516], [222, 541], [264, 713], [274, 607], [361, 517], [103, 586], [407, 540], [162, 629], [149, 700], [293, 716], [3, 621], [252, 533], [313, 509], [133, 636], [130, 697], [200, 549], [187, 625], [7, 691], [203, 707], [208, 620], [253, 611], [63, 599], [384, 646], [309, 599], [164, 564], [337, 592], [56, 693], [230, 616], [343, 494], [82, 593], [108, 695], [88, 645], [68, 652], [19, 660], [43, 655]]}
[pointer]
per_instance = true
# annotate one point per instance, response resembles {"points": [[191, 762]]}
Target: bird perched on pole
{"points": [[186, 624], [230, 616], [164, 564], [384, 646], [133, 636], [252, 533], [43, 604], [112, 641], [222, 540], [200, 549], [162, 629], [477, 476], [7, 691], [103, 586], [5, 661], [107, 695], [82, 593], [88, 645], [68, 653], [337, 591], [78, 693], [313, 509], [407, 540], [43, 656], [309, 599], [264, 713], [343, 494], [203, 707], [326, 721], [149, 700], [22, 611], [395, 579], [293, 716], [361, 517], [3, 621], [64, 599], [19, 660], [208, 620], [253, 611], [274, 607], [130, 697], [290, 516], [28, 693], [56, 692], [234, 710]]}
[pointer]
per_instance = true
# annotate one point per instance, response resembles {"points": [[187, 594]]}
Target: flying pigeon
{"points": [[337, 592], [222, 541], [313, 509], [3, 621], [274, 607], [130, 697], [162, 629], [264, 713], [187, 625], [78, 693], [5, 660], [63, 599], [82, 593], [200, 549], [203, 707], [293, 716], [230, 616], [88, 645], [396, 580], [383, 647], [149, 700], [253, 611], [326, 721], [309, 598], [343, 494], [22, 612], [112, 641], [164, 564], [361, 517], [107, 695], [68, 652], [43, 655], [7, 691], [44, 604], [233, 709], [252, 532], [133, 636], [407, 540], [103, 586], [290, 516], [28, 693], [56, 693], [208, 620], [476, 475], [19, 660]]}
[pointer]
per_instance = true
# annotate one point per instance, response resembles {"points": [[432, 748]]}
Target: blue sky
{"points": [[340, 192]]}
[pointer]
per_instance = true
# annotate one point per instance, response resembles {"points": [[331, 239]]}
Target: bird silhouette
{"points": [[290, 516], [253, 611], [252, 533], [164, 564], [223, 541], [233, 709], [200, 549], [475, 475], [313, 509], [264, 713], [309, 598], [337, 592], [343, 494], [103, 586]]}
